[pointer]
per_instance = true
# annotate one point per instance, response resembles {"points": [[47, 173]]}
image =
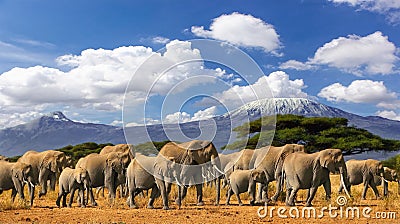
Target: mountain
{"points": [[383, 127], [55, 130]]}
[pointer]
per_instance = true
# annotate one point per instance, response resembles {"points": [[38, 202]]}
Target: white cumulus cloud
{"points": [[389, 114], [96, 79], [242, 30], [388, 8], [369, 55], [359, 91], [182, 117], [278, 83]]}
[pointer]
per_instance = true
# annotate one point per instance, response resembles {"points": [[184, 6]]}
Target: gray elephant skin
{"points": [[140, 177], [309, 171], [45, 167], [13, 177], [71, 180], [128, 154], [235, 161], [363, 171], [241, 181], [188, 156], [272, 164], [103, 171], [389, 175]]}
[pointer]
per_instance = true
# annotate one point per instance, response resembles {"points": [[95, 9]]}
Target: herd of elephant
{"points": [[188, 164]]}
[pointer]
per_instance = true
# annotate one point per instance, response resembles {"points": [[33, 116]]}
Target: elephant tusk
{"points": [[215, 167], [202, 174], [385, 180], [177, 182], [344, 186], [210, 171]]}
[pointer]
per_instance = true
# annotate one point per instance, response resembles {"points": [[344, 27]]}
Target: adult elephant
{"points": [[389, 175], [13, 176], [128, 154], [45, 167], [309, 171], [272, 164], [235, 161], [188, 156], [363, 171], [103, 171]]}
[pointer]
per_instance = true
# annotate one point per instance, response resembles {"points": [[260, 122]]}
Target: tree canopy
{"points": [[317, 133]]}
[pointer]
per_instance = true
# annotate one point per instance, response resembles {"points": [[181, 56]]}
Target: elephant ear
{"points": [[327, 160], [27, 169], [254, 174]]}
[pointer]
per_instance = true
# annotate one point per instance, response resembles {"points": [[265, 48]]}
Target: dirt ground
{"points": [[45, 210]]}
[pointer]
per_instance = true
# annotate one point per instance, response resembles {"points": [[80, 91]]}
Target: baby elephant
{"points": [[241, 181], [71, 180]]}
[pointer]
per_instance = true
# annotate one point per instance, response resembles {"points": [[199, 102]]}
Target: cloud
{"points": [[359, 91], [96, 79], [242, 30], [278, 83], [160, 40], [297, 65], [182, 117], [389, 114], [372, 54], [388, 8]]}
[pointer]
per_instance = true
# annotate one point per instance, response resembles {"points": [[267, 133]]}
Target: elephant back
{"points": [[194, 145]]}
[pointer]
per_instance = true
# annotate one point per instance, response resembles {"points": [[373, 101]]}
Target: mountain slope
{"points": [[55, 130]]}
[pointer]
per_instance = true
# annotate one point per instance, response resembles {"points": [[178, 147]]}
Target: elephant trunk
{"points": [[344, 179], [217, 165]]}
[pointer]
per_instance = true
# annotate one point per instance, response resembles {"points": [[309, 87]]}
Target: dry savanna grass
{"points": [[45, 210]]}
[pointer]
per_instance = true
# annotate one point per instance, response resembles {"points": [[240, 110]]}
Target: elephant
{"points": [[13, 176], [140, 179], [309, 171], [235, 161], [128, 153], [241, 181], [103, 171], [71, 180], [388, 175], [45, 167], [188, 156], [272, 164], [363, 171]]}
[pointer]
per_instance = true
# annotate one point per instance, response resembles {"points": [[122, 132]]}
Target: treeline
{"points": [[316, 133]]}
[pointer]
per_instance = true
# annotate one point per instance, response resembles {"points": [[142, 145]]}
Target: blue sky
{"points": [[67, 55]]}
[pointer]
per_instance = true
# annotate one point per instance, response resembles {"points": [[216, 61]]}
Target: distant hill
{"points": [[55, 130]]}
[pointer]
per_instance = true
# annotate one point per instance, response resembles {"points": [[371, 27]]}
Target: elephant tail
{"points": [[283, 177]]}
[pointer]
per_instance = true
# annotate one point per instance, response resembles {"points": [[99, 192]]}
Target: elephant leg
{"points": [[53, 180], [228, 198], [278, 189], [179, 199], [373, 186], [32, 194], [199, 193], [238, 198], [13, 194], [311, 196], [292, 196], [327, 188], [90, 194], [164, 193], [43, 190], [131, 198], [59, 199], [385, 188], [340, 188], [155, 193], [264, 193], [72, 197], [64, 197], [364, 190], [252, 194], [81, 193], [168, 186]]}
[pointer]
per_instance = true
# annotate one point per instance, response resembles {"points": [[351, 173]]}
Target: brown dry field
{"points": [[45, 210]]}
